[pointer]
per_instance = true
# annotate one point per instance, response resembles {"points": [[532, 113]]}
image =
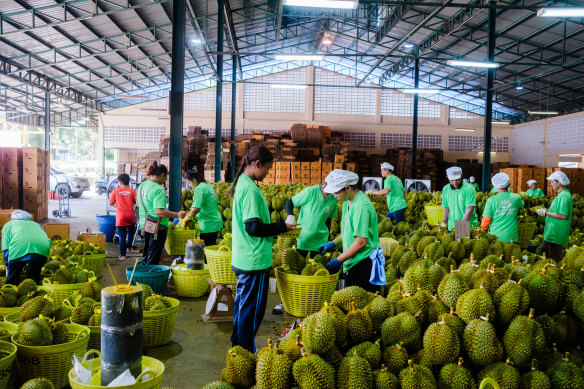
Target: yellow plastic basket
{"points": [[176, 241], [10, 328], [94, 337], [9, 351], [434, 214], [190, 283], [295, 233], [94, 263], [159, 325], [525, 231], [155, 367], [52, 362], [4, 311], [219, 263], [62, 291], [303, 295]]}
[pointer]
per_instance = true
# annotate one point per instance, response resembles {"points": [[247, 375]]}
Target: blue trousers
{"points": [[397, 216], [126, 234], [14, 268], [249, 308]]}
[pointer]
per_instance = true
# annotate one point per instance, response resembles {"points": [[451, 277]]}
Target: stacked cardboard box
{"points": [[327, 167], [305, 173], [315, 173], [35, 174], [577, 183], [283, 172], [11, 177], [296, 172], [524, 174]]}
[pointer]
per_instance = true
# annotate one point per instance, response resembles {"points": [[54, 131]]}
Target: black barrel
{"points": [[121, 332]]}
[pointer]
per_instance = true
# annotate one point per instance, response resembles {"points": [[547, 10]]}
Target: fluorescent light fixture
{"points": [[465, 129], [421, 91], [408, 45], [561, 12], [519, 87], [492, 152], [326, 40], [195, 40], [287, 86], [501, 122], [299, 57], [342, 4], [130, 97], [475, 64], [543, 112]]}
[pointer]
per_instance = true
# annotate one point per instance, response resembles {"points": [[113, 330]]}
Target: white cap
{"points": [[500, 181], [387, 166], [531, 182], [454, 173], [561, 177], [471, 179], [338, 179], [20, 215]]}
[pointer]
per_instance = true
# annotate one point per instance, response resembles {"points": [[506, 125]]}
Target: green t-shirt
{"points": [[503, 208], [395, 198], [537, 192], [359, 219], [22, 237], [457, 200], [476, 187], [209, 218], [314, 212], [151, 196], [250, 252], [558, 231]]}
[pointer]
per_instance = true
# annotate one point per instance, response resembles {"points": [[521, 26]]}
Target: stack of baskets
{"points": [[94, 262], [7, 357], [176, 241], [159, 325], [190, 283], [156, 276], [303, 295], [219, 263]]}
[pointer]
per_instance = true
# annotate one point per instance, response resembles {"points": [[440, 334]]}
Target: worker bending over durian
{"points": [[359, 235], [24, 242], [500, 214], [458, 199], [393, 188]]}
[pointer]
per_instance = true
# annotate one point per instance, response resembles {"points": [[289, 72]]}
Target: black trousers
{"points": [[153, 247], [210, 238], [13, 270], [359, 275], [552, 250]]}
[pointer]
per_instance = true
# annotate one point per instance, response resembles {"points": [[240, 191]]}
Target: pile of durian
{"points": [[15, 296], [70, 248], [152, 301], [285, 258], [71, 273], [38, 383], [453, 314]]}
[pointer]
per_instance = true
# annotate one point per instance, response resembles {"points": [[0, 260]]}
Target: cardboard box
{"points": [[4, 217], [282, 180], [296, 178], [296, 166], [327, 166], [352, 167], [315, 175], [61, 229], [315, 166], [283, 166], [97, 238], [339, 159], [305, 181], [305, 175], [337, 165], [315, 181], [305, 166]]}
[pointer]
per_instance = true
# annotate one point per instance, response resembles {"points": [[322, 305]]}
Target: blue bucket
{"points": [[107, 225], [154, 275]]}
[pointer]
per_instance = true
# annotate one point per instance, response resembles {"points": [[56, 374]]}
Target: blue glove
{"points": [[333, 266], [326, 247]]}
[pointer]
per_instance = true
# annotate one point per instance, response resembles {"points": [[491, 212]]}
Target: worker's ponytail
{"points": [[261, 154]]}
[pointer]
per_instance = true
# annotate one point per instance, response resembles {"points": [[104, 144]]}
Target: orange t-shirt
{"points": [[124, 199]]}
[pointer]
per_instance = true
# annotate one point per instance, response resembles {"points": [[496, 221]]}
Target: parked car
{"points": [[67, 184], [101, 185]]}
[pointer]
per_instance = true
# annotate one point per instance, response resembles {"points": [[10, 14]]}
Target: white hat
{"points": [[500, 181], [561, 177], [531, 182], [20, 215], [454, 173], [387, 166], [471, 179], [338, 179]]}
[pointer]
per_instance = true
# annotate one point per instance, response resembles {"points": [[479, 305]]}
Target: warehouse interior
{"points": [[90, 89]]}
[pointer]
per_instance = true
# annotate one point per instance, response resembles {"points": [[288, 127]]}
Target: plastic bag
{"points": [[81, 374], [378, 269], [126, 378]]}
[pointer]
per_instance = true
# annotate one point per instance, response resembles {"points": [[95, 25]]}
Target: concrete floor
{"points": [[195, 356]]}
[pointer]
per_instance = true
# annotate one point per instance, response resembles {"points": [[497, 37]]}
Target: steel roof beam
{"points": [[393, 17], [231, 31], [192, 16]]}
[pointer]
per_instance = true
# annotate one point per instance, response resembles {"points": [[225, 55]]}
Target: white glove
{"points": [[444, 225], [290, 219], [541, 211]]}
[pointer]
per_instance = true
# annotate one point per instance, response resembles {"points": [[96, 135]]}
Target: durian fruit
{"points": [[480, 249], [467, 269], [452, 286], [441, 344], [38, 383], [481, 343], [63, 312], [510, 299], [313, 372], [384, 379], [454, 322], [506, 375], [578, 306], [291, 346], [318, 333], [406, 261], [147, 290], [240, 367], [273, 370], [337, 316], [82, 313], [433, 251], [95, 319], [401, 328], [156, 302], [343, 298], [544, 290], [456, 250], [27, 286], [63, 276], [60, 333], [311, 268], [524, 339], [565, 374], [567, 331], [358, 324], [395, 358], [218, 385], [333, 357], [425, 241], [53, 265], [34, 332], [354, 372], [93, 290], [370, 351], [35, 307], [379, 309], [474, 304], [417, 276], [455, 376], [294, 260], [417, 376], [511, 251], [436, 309], [535, 379], [8, 296], [396, 255]]}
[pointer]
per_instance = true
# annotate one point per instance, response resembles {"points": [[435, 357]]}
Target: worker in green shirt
{"points": [[458, 199], [558, 219], [472, 182], [393, 188], [24, 242], [359, 235], [152, 202], [533, 190], [204, 207], [251, 256], [500, 214]]}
